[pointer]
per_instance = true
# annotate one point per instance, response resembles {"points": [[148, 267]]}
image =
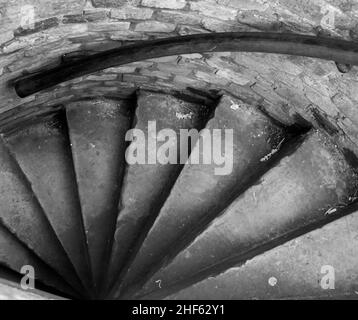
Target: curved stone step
{"points": [[21, 213], [12, 291], [321, 264], [146, 186], [14, 255], [97, 131], [43, 152], [200, 193], [301, 189]]}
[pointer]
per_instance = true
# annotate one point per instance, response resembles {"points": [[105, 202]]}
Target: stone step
{"points": [[13, 291], [200, 193], [15, 255], [321, 264], [43, 152], [23, 216], [97, 131], [146, 186], [307, 184]]}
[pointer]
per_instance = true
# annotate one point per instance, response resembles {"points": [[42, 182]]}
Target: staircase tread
{"points": [[97, 131], [43, 152], [299, 267], [15, 255], [200, 194], [311, 181], [23, 216], [146, 186]]}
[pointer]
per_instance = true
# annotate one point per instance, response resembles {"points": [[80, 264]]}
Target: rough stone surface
{"points": [[6, 36], [109, 3], [217, 25], [169, 4], [140, 202], [38, 26], [43, 154], [14, 255], [108, 27], [178, 17], [36, 33], [11, 291], [16, 196], [97, 132], [130, 12], [196, 197], [314, 179], [213, 10], [300, 268], [154, 26], [257, 5]]}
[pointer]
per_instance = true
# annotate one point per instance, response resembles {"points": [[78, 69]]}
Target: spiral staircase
{"points": [[95, 227]]}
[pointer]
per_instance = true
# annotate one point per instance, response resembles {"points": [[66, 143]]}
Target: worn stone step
{"points": [[146, 186], [321, 264], [23, 216], [15, 255], [201, 191], [97, 131], [12, 291], [306, 185], [43, 152]]}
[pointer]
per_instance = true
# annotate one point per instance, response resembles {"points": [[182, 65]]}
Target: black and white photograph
{"points": [[176, 155]]}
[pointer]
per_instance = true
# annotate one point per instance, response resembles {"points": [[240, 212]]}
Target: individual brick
{"points": [[213, 10], [130, 12], [154, 26], [169, 4]]}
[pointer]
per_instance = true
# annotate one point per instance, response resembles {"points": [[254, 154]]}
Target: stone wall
{"points": [[35, 34]]}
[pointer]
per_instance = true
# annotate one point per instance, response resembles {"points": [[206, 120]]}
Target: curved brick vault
{"points": [[36, 34]]}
